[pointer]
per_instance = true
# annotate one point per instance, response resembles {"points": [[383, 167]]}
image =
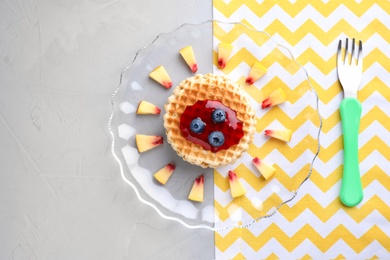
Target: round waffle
{"points": [[208, 87]]}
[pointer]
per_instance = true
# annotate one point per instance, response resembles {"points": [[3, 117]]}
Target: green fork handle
{"points": [[351, 192]]}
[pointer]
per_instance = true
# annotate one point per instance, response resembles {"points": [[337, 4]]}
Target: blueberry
{"points": [[218, 116], [197, 125], [216, 138]]}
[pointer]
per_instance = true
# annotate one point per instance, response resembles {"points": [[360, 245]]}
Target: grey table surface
{"points": [[61, 193]]}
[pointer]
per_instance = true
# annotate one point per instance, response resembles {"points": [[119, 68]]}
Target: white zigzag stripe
{"points": [[375, 188], [306, 247], [330, 166], [329, 138], [376, 41], [224, 198], [374, 159], [272, 246], [373, 249], [322, 198], [233, 250], [293, 167], [308, 13], [326, 81], [375, 70], [307, 128], [273, 187], [327, 110], [373, 101], [339, 218], [325, 198], [374, 129]]}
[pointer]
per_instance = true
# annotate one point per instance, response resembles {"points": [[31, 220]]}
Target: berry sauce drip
{"points": [[203, 109]]}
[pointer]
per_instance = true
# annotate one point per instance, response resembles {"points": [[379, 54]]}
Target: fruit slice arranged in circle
{"points": [[160, 75], [236, 187], [281, 134], [224, 51], [197, 190], [256, 72], [276, 97], [165, 173], [188, 55], [264, 168], [147, 142], [147, 108]]}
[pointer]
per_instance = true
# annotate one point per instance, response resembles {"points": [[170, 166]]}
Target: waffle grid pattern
{"points": [[208, 87]]}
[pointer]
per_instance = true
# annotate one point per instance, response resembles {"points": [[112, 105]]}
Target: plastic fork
{"points": [[349, 70]]}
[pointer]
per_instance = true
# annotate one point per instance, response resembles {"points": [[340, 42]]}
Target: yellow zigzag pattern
{"points": [[374, 144], [325, 183], [326, 38], [307, 202], [291, 183], [293, 9], [306, 232], [326, 68], [375, 114]]}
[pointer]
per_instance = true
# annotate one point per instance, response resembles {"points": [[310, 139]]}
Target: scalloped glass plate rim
{"points": [[155, 207]]}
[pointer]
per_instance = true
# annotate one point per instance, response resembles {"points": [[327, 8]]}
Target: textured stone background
{"points": [[60, 191]]}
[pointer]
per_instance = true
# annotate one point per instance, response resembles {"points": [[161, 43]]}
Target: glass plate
{"points": [[293, 160]]}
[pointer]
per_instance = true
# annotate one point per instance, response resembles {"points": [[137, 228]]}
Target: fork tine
{"points": [[339, 53], [360, 55], [346, 50], [353, 61]]}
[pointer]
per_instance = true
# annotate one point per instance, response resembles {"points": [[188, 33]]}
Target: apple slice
{"points": [[165, 173], [236, 187], [224, 51], [147, 142], [256, 72], [276, 97], [282, 134], [188, 55], [160, 75], [197, 190], [264, 168], [145, 108]]}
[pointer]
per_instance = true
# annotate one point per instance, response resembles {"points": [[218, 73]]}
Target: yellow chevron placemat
{"points": [[315, 225]]}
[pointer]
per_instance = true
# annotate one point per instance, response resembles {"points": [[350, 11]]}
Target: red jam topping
{"points": [[203, 109]]}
